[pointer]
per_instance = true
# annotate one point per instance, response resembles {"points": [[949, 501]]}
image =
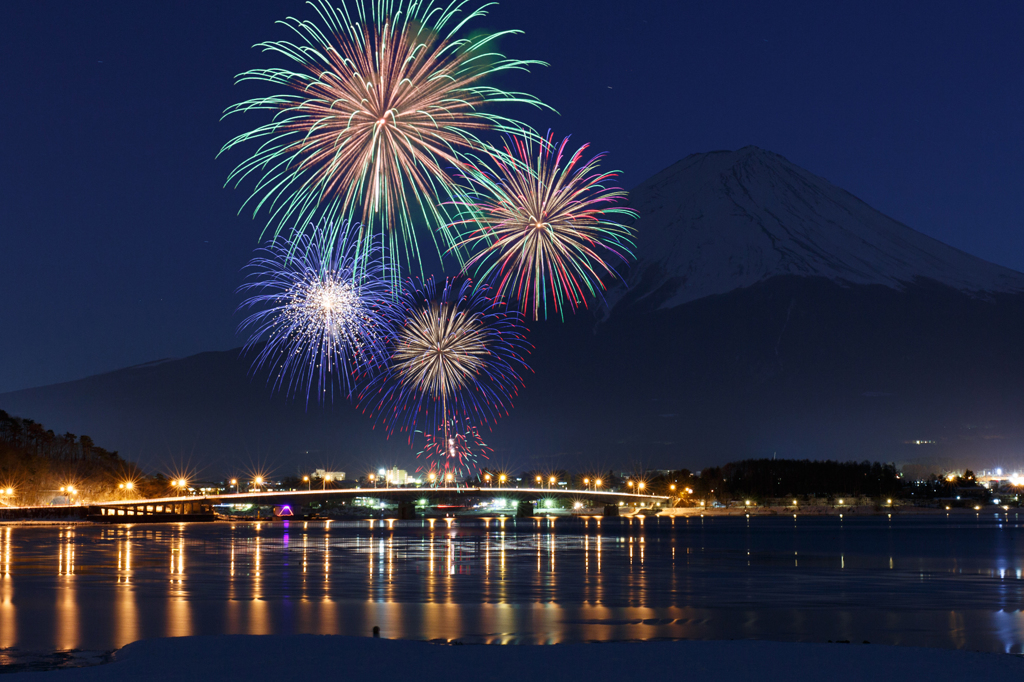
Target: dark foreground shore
{"points": [[278, 658]]}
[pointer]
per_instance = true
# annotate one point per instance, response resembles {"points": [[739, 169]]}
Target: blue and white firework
{"points": [[325, 312]]}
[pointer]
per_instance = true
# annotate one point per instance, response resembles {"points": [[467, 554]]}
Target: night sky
{"points": [[121, 244]]}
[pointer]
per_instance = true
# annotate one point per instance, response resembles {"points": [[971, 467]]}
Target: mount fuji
{"points": [[768, 312], [721, 221]]}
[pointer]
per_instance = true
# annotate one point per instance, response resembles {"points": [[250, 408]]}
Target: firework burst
{"points": [[544, 224], [386, 96], [325, 313], [456, 361], [453, 448]]}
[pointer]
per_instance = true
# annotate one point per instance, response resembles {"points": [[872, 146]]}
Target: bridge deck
{"points": [[293, 496]]}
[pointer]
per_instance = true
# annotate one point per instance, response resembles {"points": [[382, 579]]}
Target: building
{"points": [[396, 476], [329, 475]]}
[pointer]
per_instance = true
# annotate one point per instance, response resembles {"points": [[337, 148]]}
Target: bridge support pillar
{"points": [[525, 509], [406, 510], [611, 510]]}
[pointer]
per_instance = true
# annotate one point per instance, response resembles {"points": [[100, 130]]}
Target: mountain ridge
{"points": [[762, 341]]}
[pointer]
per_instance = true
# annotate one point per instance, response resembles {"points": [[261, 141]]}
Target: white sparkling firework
{"points": [[325, 312]]}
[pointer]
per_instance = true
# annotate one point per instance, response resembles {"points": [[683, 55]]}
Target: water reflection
{"points": [[8, 617], [934, 582]]}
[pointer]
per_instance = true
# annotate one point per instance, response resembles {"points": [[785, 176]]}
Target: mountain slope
{"points": [[769, 312], [720, 221]]}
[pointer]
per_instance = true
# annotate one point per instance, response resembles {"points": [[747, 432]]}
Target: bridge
{"points": [[201, 506]]}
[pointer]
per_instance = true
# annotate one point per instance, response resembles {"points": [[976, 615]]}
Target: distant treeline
{"points": [[766, 478], [36, 462]]}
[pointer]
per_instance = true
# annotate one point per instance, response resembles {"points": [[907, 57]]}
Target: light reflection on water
{"points": [[948, 582]]}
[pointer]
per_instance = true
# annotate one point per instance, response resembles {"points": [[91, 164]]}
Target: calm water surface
{"points": [[946, 582]]}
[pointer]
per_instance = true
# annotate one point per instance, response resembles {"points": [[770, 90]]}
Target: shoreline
{"points": [[815, 510], [285, 657], [627, 513]]}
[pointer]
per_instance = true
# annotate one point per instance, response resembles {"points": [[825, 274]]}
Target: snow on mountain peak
{"points": [[724, 220]]}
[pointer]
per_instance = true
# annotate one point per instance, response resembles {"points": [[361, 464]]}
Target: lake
{"points": [[938, 581]]}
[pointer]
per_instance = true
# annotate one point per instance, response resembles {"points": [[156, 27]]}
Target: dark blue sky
{"points": [[120, 244]]}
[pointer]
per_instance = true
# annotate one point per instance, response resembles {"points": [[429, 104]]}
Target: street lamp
{"points": [[597, 483], [630, 484], [551, 482], [586, 482], [234, 482], [448, 477], [257, 482], [639, 486], [501, 479], [538, 481], [309, 483], [373, 480], [327, 479], [487, 478], [433, 478]]}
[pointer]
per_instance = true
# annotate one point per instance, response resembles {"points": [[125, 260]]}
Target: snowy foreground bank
{"points": [[308, 657]]}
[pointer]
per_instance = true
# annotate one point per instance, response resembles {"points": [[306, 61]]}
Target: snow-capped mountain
{"points": [[719, 221]]}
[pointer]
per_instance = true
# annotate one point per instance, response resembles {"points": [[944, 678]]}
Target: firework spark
{"points": [[453, 448], [387, 95], [544, 223], [457, 360], [326, 315]]}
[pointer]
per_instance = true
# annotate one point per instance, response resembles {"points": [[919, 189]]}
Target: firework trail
{"points": [[325, 313], [544, 224], [457, 360], [385, 97], [453, 448]]}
